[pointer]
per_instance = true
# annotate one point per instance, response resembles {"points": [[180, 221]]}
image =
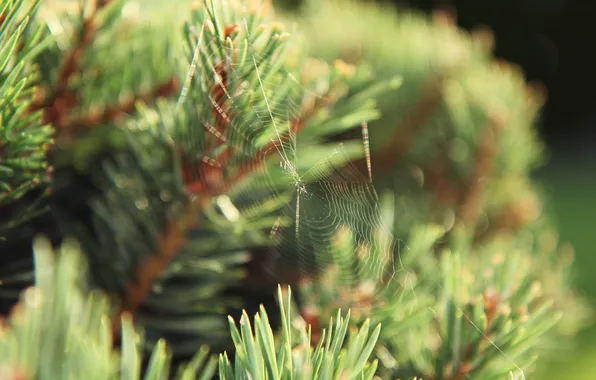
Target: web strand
{"points": [[193, 68]]}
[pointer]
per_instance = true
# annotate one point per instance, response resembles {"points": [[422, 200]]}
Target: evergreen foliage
{"points": [[204, 169], [58, 330], [24, 137]]}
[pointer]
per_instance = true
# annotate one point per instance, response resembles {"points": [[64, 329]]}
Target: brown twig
{"points": [[63, 99], [466, 196], [464, 368], [400, 142], [214, 170], [512, 217], [59, 105], [444, 190], [112, 113], [473, 191], [169, 245]]}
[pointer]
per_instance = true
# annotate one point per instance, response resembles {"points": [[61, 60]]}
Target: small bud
{"points": [[230, 31], [536, 289], [522, 312], [277, 26], [344, 69], [505, 309]]}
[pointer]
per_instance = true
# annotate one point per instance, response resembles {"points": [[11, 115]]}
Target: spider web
{"points": [[250, 127], [261, 109]]}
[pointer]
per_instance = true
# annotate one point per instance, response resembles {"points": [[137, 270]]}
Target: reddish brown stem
{"points": [[112, 113], [58, 105], [473, 193], [491, 307], [400, 142], [512, 217], [170, 244], [69, 67], [202, 187], [465, 367], [445, 191]]}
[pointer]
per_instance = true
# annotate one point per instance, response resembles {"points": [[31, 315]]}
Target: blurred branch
{"points": [[64, 98], [471, 197], [169, 244]]}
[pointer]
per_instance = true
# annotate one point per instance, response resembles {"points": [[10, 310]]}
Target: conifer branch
{"points": [[473, 188], [169, 245], [60, 104], [62, 100], [114, 113], [24, 139], [399, 143]]}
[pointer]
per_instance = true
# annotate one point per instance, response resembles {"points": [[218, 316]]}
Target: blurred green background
{"points": [[570, 183]]}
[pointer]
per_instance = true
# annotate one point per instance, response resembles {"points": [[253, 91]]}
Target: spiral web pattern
{"points": [[245, 142], [341, 197], [327, 193]]}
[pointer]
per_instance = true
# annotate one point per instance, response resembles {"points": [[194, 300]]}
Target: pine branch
{"points": [[24, 139], [399, 143], [113, 113], [472, 194], [257, 357], [60, 102], [467, 197], [169, 245], [61, 331], [64, 102]]}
